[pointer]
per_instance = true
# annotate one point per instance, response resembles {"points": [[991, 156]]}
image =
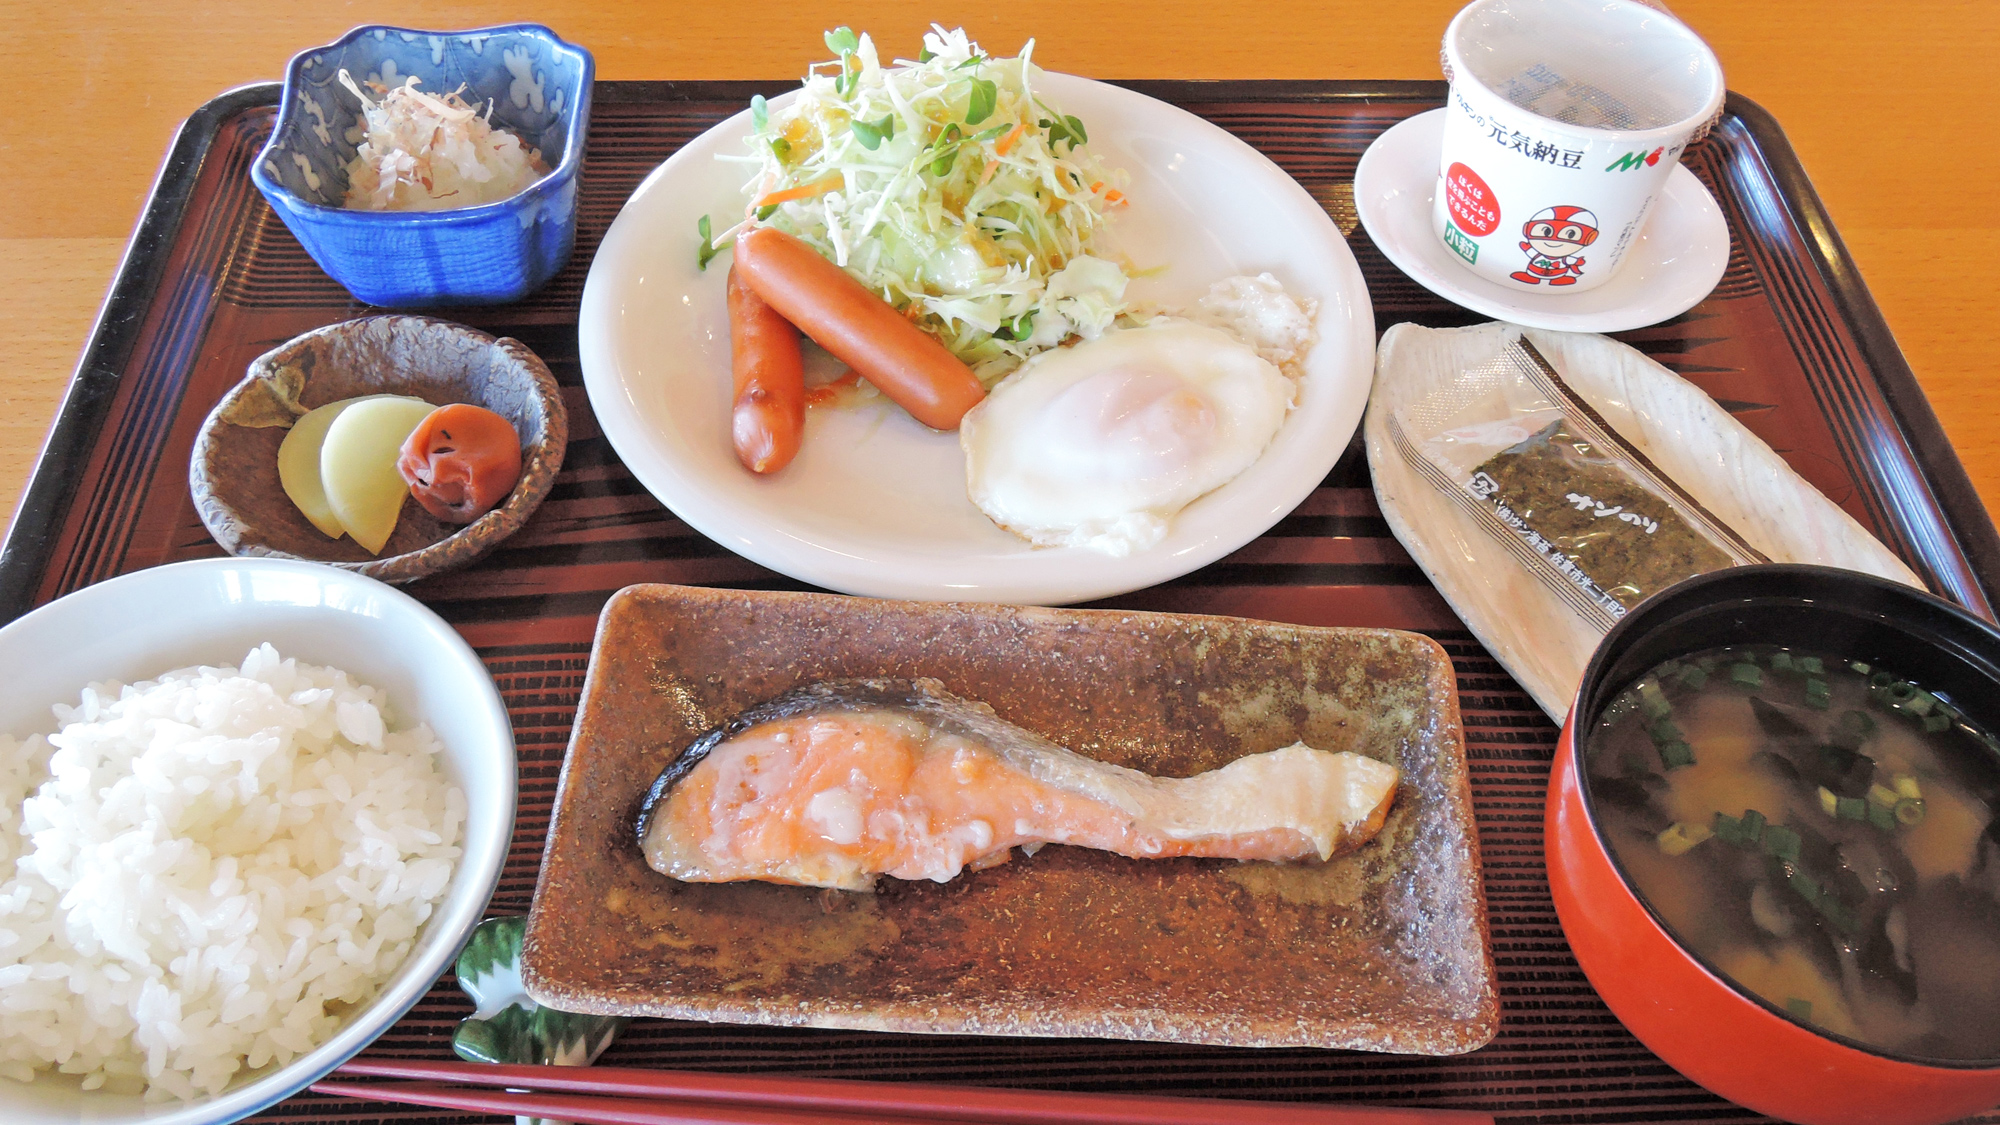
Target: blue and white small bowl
{"points": [[489, 254]]}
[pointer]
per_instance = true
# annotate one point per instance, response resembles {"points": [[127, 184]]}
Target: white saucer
{"points": [[1675, 263]]}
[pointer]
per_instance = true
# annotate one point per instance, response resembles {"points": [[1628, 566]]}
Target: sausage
{"points": [[860, 328], [768, 418]]}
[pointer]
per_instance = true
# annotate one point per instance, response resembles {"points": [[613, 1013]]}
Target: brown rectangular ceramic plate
{"points": [[1383, 949]]}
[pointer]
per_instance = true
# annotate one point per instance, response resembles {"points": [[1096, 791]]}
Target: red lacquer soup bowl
{"points": [[1676, 1002]]}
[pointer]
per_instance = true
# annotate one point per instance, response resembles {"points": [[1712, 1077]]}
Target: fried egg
{"points": [[1099, 445]]}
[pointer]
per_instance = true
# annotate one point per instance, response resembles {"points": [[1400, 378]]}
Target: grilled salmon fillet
{"points": [[839, 782]]}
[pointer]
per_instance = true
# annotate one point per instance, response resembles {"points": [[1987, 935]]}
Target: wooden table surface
{"points": [[1890, 103]]}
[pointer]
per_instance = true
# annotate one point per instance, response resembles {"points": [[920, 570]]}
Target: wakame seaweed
{"points": [[1628, 541], [1850, 841]]}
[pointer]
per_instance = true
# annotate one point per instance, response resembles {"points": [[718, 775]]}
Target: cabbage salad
{"points": [[948, 186]]}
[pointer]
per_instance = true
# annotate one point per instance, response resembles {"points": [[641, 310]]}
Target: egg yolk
{"points": [[1131, 422]]}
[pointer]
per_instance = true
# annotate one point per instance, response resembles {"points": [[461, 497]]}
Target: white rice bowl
{"points": [[210, 870], [213, 612]]}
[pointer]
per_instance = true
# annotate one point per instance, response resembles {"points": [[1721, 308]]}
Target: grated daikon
{"points": [[424, 152]]}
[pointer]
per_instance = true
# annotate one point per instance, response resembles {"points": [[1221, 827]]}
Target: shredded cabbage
{"points": [[948, 186]]}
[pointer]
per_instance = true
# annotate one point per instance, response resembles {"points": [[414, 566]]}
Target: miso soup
{"points": [[1822, 832]]}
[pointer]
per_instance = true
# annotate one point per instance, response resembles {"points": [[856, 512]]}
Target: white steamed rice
{"points": [[209, 870]]}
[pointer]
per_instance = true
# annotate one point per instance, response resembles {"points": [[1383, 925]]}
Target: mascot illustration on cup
{"points": [[1555, 239]]}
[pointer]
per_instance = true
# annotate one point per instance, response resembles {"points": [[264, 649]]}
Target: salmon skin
{"points": [[835, 783]]}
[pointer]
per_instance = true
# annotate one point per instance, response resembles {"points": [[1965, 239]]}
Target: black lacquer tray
{"points": [[1790, 342]]}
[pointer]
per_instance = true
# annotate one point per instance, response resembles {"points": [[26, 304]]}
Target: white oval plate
{"points": [[875, 503], [1675, 263]]}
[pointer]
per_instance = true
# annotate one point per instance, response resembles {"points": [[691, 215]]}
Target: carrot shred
{"points": [[1006, 144], [804, 191], [1113, 197]]}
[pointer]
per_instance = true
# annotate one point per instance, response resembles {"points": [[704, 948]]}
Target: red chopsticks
{"points": [[621, 1096]]}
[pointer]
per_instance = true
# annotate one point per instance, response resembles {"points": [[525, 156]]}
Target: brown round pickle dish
{"points": [[234, 475]]}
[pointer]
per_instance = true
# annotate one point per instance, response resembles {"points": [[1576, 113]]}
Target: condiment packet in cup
{"points": [[1564, 120], [1596, 522]]}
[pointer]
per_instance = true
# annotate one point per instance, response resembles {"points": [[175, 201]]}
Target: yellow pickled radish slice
{"points": [[357, 465], [298, 463], [298, 466]]}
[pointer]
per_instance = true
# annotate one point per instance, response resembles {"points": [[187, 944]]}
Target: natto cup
{"points": [[1564, 120]]}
